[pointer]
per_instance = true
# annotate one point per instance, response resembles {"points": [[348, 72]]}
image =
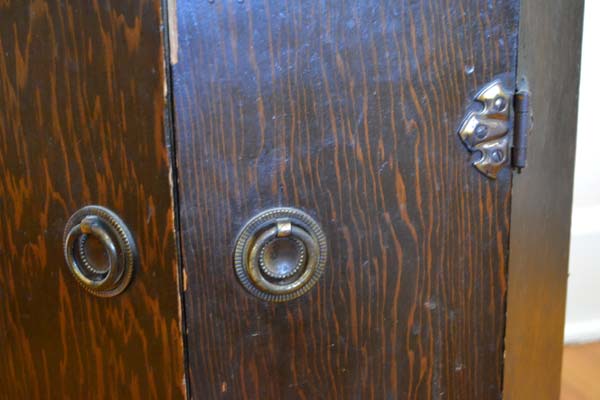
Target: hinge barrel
{"points": [[522, 126]]}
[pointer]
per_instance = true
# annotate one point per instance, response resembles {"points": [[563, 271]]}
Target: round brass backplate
{"points": [[280, 254], [99, 250]]}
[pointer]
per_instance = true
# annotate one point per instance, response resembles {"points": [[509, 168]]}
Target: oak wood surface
{"points": [[82, 122], [580, 372], [549, 57], [347, 110]]}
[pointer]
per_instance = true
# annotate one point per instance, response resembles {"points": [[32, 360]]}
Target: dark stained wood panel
{"points": [[347, 110], [549, 57], [82, 108]]}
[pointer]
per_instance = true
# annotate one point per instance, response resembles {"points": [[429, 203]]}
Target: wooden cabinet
{"points": [[188, 119]]}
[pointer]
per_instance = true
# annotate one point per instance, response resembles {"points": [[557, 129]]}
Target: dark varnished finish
{"points": [[349, 111], [549, 56], [82, 122]]}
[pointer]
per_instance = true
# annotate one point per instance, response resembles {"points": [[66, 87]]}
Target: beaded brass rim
{"points": [[265, 275], [106, 227], [301, 251]]}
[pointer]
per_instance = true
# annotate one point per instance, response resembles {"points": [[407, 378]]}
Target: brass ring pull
{"points": [[280, 254], [112, 275]]}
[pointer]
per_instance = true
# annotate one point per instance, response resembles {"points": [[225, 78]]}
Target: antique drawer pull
{"points": [[110, 271], [280, 254]]}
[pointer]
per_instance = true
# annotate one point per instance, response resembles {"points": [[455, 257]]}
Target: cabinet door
{"points": [[82, 106], [347, 110]]}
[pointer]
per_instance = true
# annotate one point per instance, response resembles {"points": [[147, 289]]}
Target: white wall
{"points": [[583, 296]]}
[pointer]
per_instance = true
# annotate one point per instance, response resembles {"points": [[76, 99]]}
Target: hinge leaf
{"points": [[488, 133]]}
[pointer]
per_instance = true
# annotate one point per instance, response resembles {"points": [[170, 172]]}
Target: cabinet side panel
{"points": [[549, 57]]}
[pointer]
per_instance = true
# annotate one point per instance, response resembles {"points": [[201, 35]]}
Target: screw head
{"points": [[497, 156], [499, 103], [481, 131]]}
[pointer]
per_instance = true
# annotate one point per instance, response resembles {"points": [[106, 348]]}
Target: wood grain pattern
{"points": [[581, 368], [549, 56], [82, 122], [348, 110]]}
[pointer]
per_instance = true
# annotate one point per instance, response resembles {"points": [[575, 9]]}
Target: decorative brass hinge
{"points": [[496, 133]]}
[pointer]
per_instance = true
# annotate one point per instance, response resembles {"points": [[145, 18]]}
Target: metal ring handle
{"points": [[261, 281], [91, 225], [300, 270], [112, 233], [282, 271]]}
